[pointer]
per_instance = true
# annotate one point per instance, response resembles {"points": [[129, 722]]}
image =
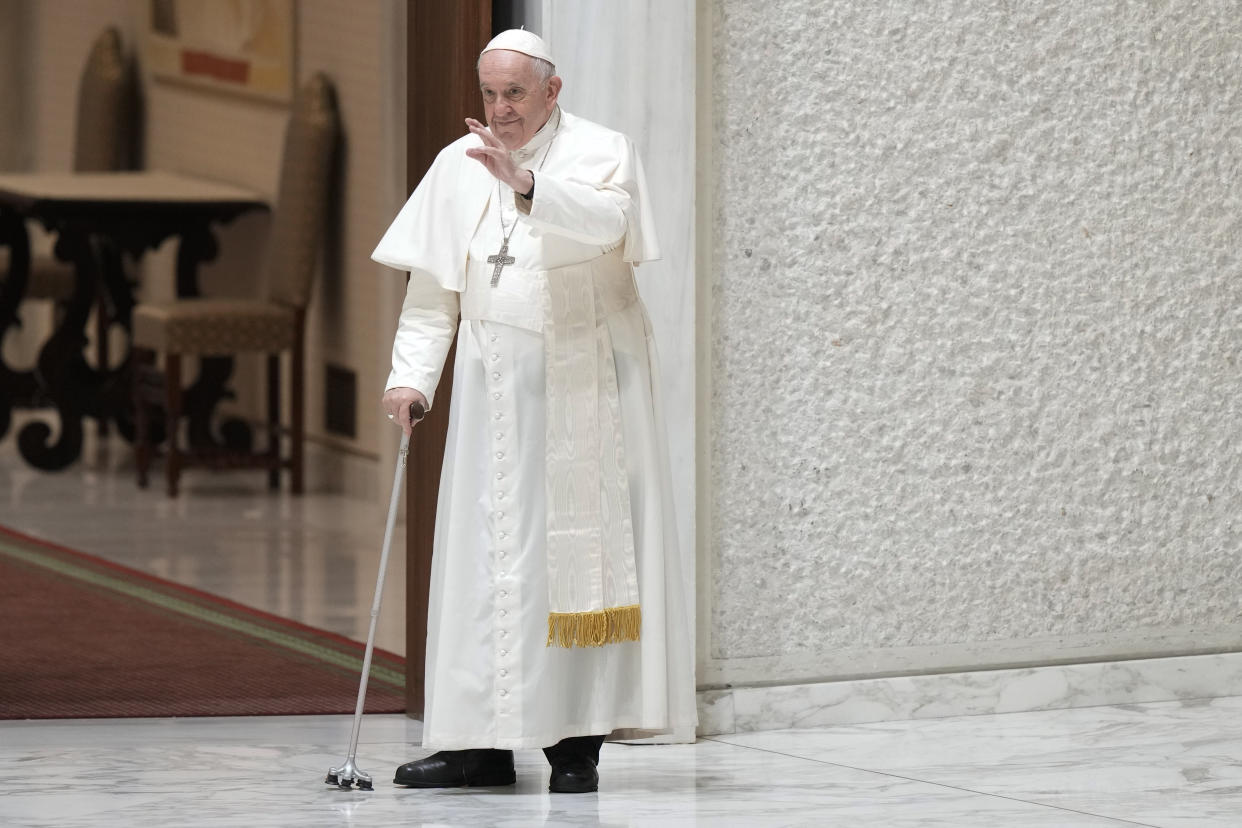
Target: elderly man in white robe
{"points": [[557, 616]]}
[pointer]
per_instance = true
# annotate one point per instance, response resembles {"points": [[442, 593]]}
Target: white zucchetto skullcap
{"points": [[520, 40]]}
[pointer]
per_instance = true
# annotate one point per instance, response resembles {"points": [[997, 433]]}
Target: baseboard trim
{"points": [[744, 709]]}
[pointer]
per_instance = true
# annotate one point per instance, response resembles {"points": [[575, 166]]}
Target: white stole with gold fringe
{"points": [[592, 577]]}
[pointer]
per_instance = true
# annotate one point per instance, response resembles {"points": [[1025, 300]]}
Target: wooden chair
{"points": [[224, 327], [104, 137], [103, 142]]}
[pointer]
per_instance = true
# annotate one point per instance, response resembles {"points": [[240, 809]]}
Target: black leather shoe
{"points": [[574, 777], [459, 769]]}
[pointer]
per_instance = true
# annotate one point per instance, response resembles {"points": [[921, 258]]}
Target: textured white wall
{"points": [[977, 308]]}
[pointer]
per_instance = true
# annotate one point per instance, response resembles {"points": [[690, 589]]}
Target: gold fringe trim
{"points": [[595, 628]]}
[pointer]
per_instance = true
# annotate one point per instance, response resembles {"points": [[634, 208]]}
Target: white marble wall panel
{"points": [[716, 712], [629, 65], [1053, 687]]}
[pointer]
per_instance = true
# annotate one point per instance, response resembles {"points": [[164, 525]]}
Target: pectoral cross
{"points": [[500, 260]]}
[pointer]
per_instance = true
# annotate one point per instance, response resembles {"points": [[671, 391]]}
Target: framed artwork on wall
{"points": [[241, 46]]}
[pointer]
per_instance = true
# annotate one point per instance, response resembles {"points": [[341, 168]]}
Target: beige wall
{"points": [[238, 140], [14, 149], [58, 36]]}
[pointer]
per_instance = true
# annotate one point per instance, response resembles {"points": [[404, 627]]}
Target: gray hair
{"points": [[542, 68]]}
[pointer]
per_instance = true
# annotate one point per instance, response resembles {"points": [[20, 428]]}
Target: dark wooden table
{"points": [[96, 219]]}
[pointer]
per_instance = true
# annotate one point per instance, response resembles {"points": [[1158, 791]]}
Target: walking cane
{"points": [[347, 774]]}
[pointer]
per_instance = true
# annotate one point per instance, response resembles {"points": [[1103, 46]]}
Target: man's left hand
{"points": [[495, 157]]}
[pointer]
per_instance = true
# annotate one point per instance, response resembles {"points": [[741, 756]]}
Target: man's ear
{"points": [[554, 88]]}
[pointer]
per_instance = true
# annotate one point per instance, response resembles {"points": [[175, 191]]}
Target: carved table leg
{"points": [[62, 372], [116, 308], [16, 387]]}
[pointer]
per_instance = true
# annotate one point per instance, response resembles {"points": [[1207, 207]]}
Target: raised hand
{"points": [[495, 158]]}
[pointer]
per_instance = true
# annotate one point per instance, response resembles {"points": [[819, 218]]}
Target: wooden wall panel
{"points": [[444, 43]]}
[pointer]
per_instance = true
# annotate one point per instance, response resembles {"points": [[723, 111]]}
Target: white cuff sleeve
{"points": [[424, 334], [582, 212]]}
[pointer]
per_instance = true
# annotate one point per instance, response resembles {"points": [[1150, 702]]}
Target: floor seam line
{"points": [[1119, 820]]}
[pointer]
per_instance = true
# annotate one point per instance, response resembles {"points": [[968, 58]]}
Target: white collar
{"points": [[540, 139]]}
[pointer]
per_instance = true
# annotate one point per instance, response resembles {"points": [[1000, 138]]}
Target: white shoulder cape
{"points": [[433, 230]]}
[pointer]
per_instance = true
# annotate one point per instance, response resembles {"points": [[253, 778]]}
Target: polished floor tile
{"points": [[1163, 763], [269, 772]]}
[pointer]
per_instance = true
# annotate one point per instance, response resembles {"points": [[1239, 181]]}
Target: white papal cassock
{"points": [[492, 680]]}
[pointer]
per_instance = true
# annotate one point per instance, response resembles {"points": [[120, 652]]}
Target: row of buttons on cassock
{"points": [[501, 527]]}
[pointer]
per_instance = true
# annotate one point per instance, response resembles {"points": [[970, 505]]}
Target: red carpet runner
{"points": [[84, 638]]}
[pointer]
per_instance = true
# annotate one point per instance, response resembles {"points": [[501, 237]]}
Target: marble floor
{"points": [[314, 559]]}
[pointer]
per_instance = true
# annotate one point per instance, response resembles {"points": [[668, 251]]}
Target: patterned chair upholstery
{"points": [[272, 325], [107, 109]]}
